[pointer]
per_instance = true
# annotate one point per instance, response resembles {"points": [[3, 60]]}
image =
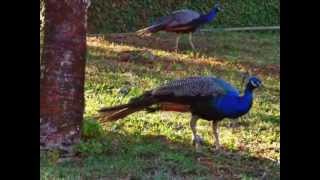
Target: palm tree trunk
{"points": [[62, 74]]}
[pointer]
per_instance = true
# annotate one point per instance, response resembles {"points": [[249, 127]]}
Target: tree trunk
{"points": [[62, 74]]}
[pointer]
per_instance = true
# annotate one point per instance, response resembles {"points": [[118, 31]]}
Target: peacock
{"points": [[206, 97], [182, 21]]}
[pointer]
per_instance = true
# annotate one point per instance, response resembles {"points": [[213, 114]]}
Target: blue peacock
{"points": [[182, 21], [208, 98]]}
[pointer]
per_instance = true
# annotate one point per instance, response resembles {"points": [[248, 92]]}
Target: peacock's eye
{"points": [[255, 84]]}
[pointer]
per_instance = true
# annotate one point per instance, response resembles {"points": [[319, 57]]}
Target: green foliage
{"points": [[245, 177], [130, 15], [91, 129], [93, 142], [52, 157], [93, 147]]}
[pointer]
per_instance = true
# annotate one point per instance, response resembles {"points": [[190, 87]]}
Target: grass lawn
{"points": [[158, 145]]}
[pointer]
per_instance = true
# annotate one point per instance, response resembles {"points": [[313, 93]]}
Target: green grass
{"points": [[157, 146]]}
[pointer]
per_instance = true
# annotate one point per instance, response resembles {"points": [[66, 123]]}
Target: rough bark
{"points": [[62, 74]]}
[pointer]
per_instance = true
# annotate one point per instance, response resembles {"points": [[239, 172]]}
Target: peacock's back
{"points": [[195, 86], [177, 18]]}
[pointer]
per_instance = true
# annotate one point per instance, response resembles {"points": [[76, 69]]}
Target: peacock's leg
{"points": [[177, 42], [190, 41], [216, 134], [196, 140]]}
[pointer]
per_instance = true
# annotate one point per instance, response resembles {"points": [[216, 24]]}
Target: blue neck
{"points": [[247, 96], [233, 106], [210, 15]]}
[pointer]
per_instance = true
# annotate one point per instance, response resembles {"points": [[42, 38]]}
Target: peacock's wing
{"points": [[163, 20], [177, 18], [184, 16], [195, 86]]}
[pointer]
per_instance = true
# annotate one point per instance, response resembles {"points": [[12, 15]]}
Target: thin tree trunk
{"points": [[62, 74]]}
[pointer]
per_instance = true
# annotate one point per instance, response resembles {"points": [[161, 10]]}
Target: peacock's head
{"points": [[254, 82], [218, 7]]}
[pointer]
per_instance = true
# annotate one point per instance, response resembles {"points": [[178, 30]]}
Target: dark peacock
{"points": [[209, 98], [182, 21]]}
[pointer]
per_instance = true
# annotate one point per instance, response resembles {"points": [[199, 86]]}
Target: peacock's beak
{"points": [[220, 7], [262, 87]]}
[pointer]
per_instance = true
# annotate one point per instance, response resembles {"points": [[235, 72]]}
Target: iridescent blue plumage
{"points": [[232, 105], [209, 17], [209, 98]]}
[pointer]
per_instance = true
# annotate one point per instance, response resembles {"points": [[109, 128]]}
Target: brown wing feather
{"points": [[167, 106]]}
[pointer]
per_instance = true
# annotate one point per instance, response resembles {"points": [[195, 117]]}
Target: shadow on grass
{"points": [[122, 154]]}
